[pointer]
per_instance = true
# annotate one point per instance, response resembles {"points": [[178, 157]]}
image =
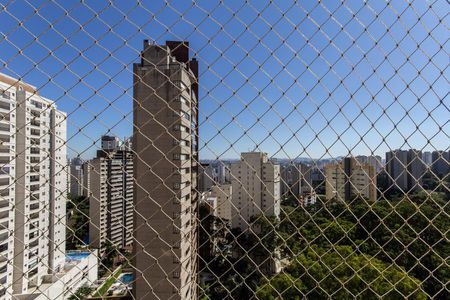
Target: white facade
{"points": [[77, 272], [34, 179], [256, 188]]}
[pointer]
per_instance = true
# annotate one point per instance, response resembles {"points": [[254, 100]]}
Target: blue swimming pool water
{"points": [[77, 255], [127, 278]]}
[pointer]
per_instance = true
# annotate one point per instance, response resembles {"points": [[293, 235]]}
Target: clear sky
{"points": [[302, 79]]}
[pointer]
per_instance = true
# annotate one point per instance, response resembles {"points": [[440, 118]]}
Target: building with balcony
{"points": [[111, 197], [165, 168], [33, 188]]}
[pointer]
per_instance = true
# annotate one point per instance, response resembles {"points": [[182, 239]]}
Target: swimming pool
{"points": [[77, 255], [126, 278]]}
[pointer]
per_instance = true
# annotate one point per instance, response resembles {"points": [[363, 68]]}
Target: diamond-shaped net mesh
{"points": [[224, 149]]}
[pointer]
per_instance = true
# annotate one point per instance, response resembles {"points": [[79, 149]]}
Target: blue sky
{"points": [[270, 80]]}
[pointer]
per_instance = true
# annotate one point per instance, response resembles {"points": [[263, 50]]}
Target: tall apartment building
{"points": [[207, 177], [373, 160], [405, 169], [427, 158], [33, 188], [256, 188], [76, 177], [296, 179], [221, 199], [166, 196], [290, 180], [111, 197], [440, 163], [349, 178]]}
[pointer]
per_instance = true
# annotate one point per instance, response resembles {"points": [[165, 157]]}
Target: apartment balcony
{"points": [[5, 128], [35, 114], [34, 179], [3, 252], [4, 215], [35, 132], [4, 192], [5, 161], [4, 173], [34, 207], [33, 244], [32, 264], [35, 124], [32, 254], [4, 205], [5, 139], [5, 151], [35, 142], [34, 198], [4, 234], [33, 226], [5, 106], [5, 118], [33, 235], [34, 188], [34, 216], [35, 160], [3, 268], [35, 151]]}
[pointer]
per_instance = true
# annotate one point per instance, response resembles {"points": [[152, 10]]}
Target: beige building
{"points": [[223, 193], [349, 178], [111, 198], [33, 189], [256, 188], [219, 201], [165, 167]]}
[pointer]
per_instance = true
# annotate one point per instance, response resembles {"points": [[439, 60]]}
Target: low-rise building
{"points": [[80, 269]]}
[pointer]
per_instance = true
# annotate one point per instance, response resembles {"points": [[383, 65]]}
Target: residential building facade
{"points": [[76, 177], [207, 178], [348, 179], [111, 198], [166, 190], [405, 169], [256, 188], [33, 188], [440, 163], [223, 193]]}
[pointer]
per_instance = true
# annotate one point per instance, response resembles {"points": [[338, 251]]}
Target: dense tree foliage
{"points": [[408, 232], [340, 273], [77, 233], [386, 249]]}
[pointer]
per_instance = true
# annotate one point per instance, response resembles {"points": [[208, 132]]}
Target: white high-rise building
{"points": [[33, 189], [256, 188]]}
